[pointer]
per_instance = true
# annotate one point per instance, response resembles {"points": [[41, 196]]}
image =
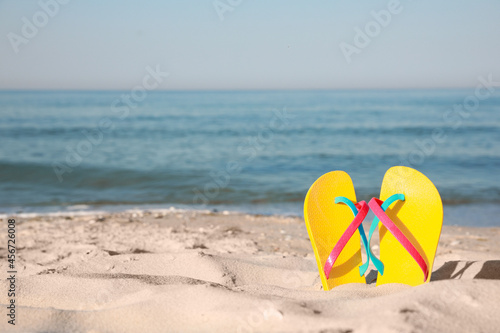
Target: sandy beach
{"points": [[195, 271]]}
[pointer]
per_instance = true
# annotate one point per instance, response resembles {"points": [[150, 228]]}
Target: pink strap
{"points": [[346, 236], [379, 212]]}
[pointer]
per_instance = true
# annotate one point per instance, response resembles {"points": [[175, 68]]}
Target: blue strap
{"points": [[387, 203], [350, 204]]}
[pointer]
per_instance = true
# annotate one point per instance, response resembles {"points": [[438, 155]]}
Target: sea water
{"points": [[255, 152]]}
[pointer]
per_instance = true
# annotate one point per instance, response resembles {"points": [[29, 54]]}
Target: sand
{"points": [[170, 271]]}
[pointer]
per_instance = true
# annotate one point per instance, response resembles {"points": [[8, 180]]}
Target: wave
{"points": [[26, 184], [158, 131]]}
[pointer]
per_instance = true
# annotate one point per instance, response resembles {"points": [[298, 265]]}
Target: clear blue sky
{"points": [[260, 44]]}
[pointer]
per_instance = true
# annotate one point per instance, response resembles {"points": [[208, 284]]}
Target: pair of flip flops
{"points": [[409, 214]]}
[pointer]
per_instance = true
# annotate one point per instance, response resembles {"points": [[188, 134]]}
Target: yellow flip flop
{"points": [[410, 229], [332, 230]]}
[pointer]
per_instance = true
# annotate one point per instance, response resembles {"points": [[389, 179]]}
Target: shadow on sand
{"points": [[458, 269], [455, 270]]}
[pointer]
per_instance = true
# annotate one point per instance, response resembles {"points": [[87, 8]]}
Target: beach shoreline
{"points": [[460, 214], [182, 270]]}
